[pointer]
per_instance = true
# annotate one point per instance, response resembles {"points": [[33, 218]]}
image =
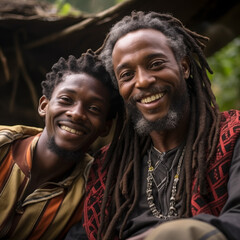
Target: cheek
{"points": [[49, 119], [125, 91], [48, 122], [97, 124]]}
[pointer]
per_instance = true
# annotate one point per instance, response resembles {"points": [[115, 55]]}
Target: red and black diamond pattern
{"points": [[218, 170], [217, 177]]}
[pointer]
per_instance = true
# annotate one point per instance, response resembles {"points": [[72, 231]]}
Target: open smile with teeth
{"points": [[71, 130], [152, 98]]}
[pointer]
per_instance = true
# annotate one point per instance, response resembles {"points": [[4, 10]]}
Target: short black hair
{"points": [[88, 63]]}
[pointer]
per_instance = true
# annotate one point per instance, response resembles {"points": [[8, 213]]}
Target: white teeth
{"points": [[71, 130], [152, 98]]}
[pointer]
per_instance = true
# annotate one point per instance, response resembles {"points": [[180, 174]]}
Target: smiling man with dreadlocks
{"points": [[177, 159]]}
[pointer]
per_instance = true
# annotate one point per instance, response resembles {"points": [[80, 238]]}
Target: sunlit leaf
{"points": [[226, 78]]}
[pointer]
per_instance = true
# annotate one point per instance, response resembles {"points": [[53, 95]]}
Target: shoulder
{"points": [[21, 129], [230, 118], [10, 133], [230, 124], [229, 133]]}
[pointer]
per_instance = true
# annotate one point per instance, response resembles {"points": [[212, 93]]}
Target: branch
{"points": [[81, 25], [5, 65], [25, 74]]}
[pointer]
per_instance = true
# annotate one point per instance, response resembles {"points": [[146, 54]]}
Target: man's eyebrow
{"points": [[69, 90], [153, 55], [148, 57], [94, 97], [121, 66]]}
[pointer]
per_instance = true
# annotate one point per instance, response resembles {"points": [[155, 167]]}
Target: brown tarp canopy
{"points": [[33, 38]]}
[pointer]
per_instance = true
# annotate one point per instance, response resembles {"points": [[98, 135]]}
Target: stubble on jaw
{"points": [[64, 154]]}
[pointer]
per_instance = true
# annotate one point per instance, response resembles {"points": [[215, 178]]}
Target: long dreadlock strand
{"points": [[111, 226], [124, 142], [216, 117], [199, 144], [213, 138], [126, 170], [136, 165], [186, 173], [125, 175], [104, 201], [110, 178], [121, 182], [124, 181]]}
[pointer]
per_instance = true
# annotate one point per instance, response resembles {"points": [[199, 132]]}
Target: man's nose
{"points": [[144, 78], [77, 112]]}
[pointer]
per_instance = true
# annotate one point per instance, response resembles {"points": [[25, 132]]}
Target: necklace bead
{"points": [[172, 212]]}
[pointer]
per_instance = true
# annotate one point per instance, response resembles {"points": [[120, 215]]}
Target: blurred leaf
{"points": [[88, 6], [226, 78], [65, 10]]}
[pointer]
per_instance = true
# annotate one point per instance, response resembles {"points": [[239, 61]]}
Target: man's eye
{"points": [[65, 99], [95, 109], [124, 76], [156, 64]]}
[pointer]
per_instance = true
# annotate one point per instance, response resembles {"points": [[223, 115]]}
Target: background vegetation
{"points": [[66, 7], [226, 77]]}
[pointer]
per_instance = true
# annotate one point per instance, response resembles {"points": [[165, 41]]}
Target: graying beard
{"points": [[143, 127]]}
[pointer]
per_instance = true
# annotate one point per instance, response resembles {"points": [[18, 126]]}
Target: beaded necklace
{"points": [[172, 212]]}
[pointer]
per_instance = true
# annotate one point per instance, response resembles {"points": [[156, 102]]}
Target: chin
{"points": [[64, 152], [145, 126]]}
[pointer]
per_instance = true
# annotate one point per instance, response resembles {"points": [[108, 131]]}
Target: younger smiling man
{"points": [[43, 172]]}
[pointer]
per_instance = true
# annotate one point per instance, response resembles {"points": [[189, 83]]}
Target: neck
{"points": [[47, 164]]}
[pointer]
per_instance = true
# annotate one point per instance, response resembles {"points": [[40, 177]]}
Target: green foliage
{"points": [[64, 8], [226, 77], [119, 1], [75, 7]]}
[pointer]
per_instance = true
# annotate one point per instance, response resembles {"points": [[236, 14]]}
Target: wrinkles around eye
{"points": [[126, 76]]}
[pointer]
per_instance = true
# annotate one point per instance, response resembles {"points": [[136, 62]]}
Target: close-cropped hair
{"points": [[127, 148], [88, 63]]}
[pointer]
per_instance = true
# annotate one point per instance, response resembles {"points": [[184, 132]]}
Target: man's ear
{"points": [[42, 105], [185, 64], [106, 129]]}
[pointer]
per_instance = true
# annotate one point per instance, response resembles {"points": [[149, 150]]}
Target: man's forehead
{"points": [[139, 33]]}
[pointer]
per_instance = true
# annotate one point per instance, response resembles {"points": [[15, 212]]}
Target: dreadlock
{"points": [[128, 148], [88, 63]]}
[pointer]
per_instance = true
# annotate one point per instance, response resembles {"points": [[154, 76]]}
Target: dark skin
{"points": [[75, 116], [143, 60]]}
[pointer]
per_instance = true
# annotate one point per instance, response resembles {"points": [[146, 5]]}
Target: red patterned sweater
{"points": [[217, 178]]}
